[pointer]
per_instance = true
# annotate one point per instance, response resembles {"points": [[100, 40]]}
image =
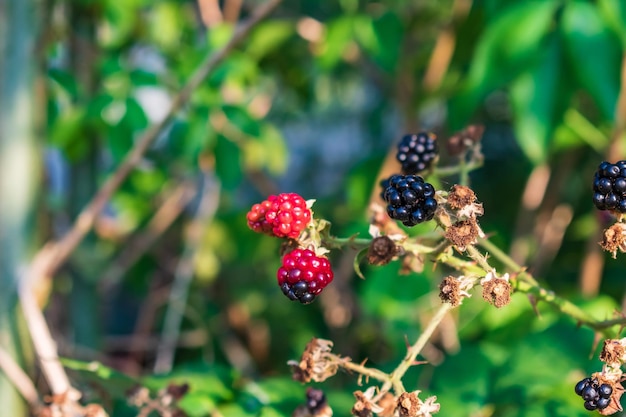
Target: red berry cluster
{"points": [[282, 215], [303, 274]]}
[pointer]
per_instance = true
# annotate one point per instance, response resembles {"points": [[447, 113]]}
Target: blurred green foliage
{"points": [[311, 103]]}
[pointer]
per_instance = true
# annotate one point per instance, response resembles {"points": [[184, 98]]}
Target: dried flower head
{"points": [[496, 290], [614, 239], [409, 405], [452, 290], [364, 407], [315, 363], [460, 196], [463, 233], [614, 352], [316, 405], [381, 251]]}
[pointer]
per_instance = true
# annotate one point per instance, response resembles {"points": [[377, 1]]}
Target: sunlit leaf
{"points": [[594, 54]]}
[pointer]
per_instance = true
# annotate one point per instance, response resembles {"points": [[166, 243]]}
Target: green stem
{"points": [[411, 354], [333, 242], [359, 368], [507, 261], [463, 169]]}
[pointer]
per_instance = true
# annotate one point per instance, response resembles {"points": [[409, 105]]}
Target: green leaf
{"points": [[242, 120], [228, 162], [116, 383], [268, 36], [594, 54], [339, 34], [614, 14], [65, 80], [509, 46], [539, 103]]}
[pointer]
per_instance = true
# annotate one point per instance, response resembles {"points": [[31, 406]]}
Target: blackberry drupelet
{"points": [[417, 152], [303, 275], [609, 186], [282, 215], [409, 199], [597, 396]]}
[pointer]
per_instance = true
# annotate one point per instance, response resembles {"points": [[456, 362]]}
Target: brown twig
{"points": [[53, 255], [19, 379], [184, 274]]}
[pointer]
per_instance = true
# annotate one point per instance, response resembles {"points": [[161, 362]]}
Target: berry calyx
{"points": [[303, 275], [282, 215], [417, 152], [609, 186], [409, 199]]}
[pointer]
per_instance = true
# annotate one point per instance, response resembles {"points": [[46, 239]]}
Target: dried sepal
{"points": [[364, 407], [388, 403], [315, 363]]}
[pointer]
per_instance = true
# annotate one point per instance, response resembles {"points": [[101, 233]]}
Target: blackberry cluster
{"points": [[417, 152], [303, 275], [409, 199], [597, 396], [609, 186], [315, 400]]}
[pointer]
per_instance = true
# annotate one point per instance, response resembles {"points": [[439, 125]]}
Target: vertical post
{"points": [[19, 169]]}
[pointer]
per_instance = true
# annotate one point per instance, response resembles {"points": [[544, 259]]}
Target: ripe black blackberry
{"points": [[417, 152], [609, 186], [409, 199], [597, 396]]}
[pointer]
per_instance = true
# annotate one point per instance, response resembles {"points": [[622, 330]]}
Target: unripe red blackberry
{"points": [[409, 199], [282, 215], [416, 153], [609, 186], [303, 275]]}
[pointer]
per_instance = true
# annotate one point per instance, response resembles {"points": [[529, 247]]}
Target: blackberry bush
{"points": [[416, 153], [409, 199], [609, 186]]}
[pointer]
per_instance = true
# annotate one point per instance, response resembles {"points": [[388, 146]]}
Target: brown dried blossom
{"points": [[613, 352], [463, 233], [614, 239], [315, 363], [460, 196], [381, 251], [409, 405], [452, 290], [364, 407], [496, 290]]}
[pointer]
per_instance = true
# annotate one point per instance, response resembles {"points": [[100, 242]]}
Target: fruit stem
{"points": [[396, 375], [507, 261], [340, 242], [462, 168], [359, 368]]}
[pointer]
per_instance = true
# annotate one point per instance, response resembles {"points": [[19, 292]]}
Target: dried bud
{"points": [[381, 251], [460, 196], [364, 407], [463, 233], [614, 239], [315, 364], [496, 290]]}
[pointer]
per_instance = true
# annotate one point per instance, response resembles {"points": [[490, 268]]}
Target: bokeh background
{"points": [[312, 101]]}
